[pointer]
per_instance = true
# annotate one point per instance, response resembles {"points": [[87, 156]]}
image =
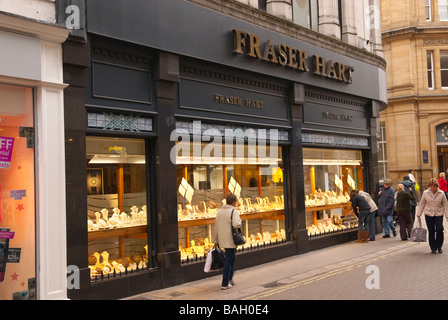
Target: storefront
{"points": [[32, 184], [170, 128]]}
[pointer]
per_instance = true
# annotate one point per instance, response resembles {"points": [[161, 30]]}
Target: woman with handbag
{"points": [[227, 217], [434, 205]]}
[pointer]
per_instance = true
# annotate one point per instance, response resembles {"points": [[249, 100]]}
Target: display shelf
{"points": [[265, 215], [130, 231]]}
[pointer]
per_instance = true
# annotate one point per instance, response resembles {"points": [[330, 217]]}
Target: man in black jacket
{"points": [[359, 203], [386, 208]]}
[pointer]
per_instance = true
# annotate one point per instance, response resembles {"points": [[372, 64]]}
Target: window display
{"points": [[117, 206], [203, 187], [17, 194], [330, 175]]}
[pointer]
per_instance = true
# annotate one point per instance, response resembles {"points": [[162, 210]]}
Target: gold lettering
{"points": [[283, 58], [319, 66], [254, 46], [331, 70], [292, 58], [239, 41], [269, 53], [350, 73], [341, 68], [303, 61]]}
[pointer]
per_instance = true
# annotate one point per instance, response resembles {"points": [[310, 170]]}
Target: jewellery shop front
{"points": [[171, 124]]}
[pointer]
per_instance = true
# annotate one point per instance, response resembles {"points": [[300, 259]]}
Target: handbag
{"points": [[418, 234], [217, 258], [237, 235]]}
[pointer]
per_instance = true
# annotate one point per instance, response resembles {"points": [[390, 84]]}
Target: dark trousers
{"points": [[435, 232], [229, 266], [405, 222]]}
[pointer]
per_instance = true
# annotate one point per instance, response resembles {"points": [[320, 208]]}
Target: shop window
{"points": [[205, 181], [17, 194], [117, 208], [330, 175], [444, 68]]}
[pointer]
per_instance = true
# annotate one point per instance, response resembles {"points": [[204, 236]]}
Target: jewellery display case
{"points": [[330, 175], [203, 187], [117, 208]]}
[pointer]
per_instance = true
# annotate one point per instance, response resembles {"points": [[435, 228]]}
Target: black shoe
{"points": [[433, 251], [386, 236], [439, 250], [394, 233]]}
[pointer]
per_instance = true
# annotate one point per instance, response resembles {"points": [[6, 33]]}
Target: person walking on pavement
{"points": [[223, 236], [442, 182], [386, 208], [434, 205], [403, 210], [407, 183], [359, 203], [373, 214]]}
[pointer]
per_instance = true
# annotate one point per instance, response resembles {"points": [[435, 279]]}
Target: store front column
{"points": [[167, 76], [298, 219]]}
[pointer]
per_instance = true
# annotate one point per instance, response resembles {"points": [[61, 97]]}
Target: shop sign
{"points": [[290, 57], [6, 145]]}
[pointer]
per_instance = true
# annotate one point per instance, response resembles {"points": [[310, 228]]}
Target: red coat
{"points": [[442, 184]]}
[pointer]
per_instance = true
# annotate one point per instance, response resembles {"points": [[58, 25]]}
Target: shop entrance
{"points": [[442, 156]]}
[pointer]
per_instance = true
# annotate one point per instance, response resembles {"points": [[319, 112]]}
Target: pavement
{"points": [[387, 268]]}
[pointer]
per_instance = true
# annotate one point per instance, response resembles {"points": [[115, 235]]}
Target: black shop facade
{"points": [[162, 126]]}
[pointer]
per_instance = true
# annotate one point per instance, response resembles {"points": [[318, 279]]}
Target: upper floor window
{"points": [[428, 10], [430, 68], [306, 13], [443, 10], [444, 68], [262, 5]]}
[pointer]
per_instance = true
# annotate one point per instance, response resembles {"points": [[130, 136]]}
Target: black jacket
{"points": [[409, 184], [361, 203]]}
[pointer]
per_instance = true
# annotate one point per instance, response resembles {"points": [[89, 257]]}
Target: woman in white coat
{"points": [[434, 205], [223, 237]]}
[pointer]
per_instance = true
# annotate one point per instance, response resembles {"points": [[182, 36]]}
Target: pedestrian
{"points": [[407, 183], [223, 238], [372, 215], [386, 208], [411, 175], [403, 210], [359, 203], [442, 182], [434, 205]]}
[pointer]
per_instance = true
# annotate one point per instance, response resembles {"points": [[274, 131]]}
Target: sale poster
{"points": [[6, 145]]}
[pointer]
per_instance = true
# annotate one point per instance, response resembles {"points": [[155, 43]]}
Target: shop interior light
{"points": [[116, 159], [315, 162]]}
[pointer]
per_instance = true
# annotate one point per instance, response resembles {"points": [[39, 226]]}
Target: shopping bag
{"points": [[208, 261], [217, 258], [418, 234]]}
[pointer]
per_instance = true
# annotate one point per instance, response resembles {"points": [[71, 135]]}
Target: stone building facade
{"points": [[414, 124]]}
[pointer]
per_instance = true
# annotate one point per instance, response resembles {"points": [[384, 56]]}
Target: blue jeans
{"points": [[372, 228], [363, 224], [229, 266], [388, 222]]}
